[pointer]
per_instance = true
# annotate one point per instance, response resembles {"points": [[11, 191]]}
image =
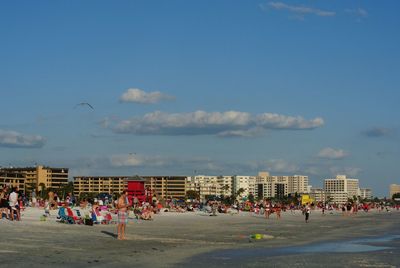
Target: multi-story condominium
{"points": [[394, 189], [167, 186], [29, 178], [365, 193], [319, 195], [341, 188], [262, 186], [226, 185], [100, 184], [247, 183], [268, 186], [298, 184], [207, 186]]}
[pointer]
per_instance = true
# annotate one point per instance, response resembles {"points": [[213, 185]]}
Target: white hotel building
{"points": [[341, 188], [210, 185], [262, 186], [268, 186]]}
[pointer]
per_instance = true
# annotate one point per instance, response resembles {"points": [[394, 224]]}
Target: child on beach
{"points": [[47, 209]]}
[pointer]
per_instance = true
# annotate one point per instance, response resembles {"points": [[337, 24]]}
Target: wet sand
{"points": [[197, 240]]}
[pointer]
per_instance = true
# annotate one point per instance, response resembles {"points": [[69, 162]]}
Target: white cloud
{"points": [[126, 160], [230, 123], [133, 160], [142, 161], [277, 166], [139, 96], [330, 153], [348, 171], [241, 133], [277, 121], [14, 139], [359, 12], [298, 10]]}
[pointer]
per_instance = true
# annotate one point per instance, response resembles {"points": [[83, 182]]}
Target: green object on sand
{"points": [[261, 236]]}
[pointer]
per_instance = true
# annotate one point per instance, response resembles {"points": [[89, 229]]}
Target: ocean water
{"points": [[236, 256]]}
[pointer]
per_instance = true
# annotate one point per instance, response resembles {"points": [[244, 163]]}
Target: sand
{"points": [[190, 239]]}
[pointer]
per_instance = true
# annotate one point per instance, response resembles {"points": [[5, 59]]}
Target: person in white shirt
{"points": [[13, 202]]}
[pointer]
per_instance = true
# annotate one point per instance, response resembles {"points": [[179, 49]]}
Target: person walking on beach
{"points": [[13, 202], [307, 212], [122, 207]]}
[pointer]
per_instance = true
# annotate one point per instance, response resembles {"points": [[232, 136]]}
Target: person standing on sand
{"points": [[307, 211], [122, 207], [13, 203]]}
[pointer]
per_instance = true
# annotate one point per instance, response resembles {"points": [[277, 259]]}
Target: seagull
{"points": [[84, 103]]}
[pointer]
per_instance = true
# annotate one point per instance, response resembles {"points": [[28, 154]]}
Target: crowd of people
{"points": [[11, 203], [110, 209]]}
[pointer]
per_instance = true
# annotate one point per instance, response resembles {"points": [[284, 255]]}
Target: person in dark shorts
{"points": [[307, 212], [4, 202]]}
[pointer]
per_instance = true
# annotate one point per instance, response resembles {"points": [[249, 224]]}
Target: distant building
{"points": [[207, 186], [261, 186], [319, 195], [267, 186], [167, 186], [247, 183], [341, 188], [394, 189], [365, 193], [38, 178], [100, 184]]}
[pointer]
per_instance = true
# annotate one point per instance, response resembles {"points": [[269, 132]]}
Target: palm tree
{"points": [[225, 188], [240, 192]]}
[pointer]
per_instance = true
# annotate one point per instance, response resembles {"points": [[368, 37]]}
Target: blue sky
{"points": [[210, 87]]}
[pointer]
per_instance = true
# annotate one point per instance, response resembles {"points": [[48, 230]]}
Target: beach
{"points": [[196, 239]]}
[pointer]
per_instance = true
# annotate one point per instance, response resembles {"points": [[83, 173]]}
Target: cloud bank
{"points": [[224, 124], [13, 139], [330, 153], [377, 132], [349, 171], [139, 96], [278, 166], [298, 10], [359, 12]]}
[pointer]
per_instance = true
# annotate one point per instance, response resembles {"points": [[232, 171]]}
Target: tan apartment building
{"points": [[394, 189], [167, 186], [320, 195], [29, 178], [100, 184]]}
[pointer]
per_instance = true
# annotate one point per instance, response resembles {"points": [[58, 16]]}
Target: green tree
{"points": [[240, 192], [251, 198], [396, 196], [225, 187], [191, 194]]}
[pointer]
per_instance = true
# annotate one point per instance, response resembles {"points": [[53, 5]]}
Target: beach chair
{"points": [[63, 217], [77, 219], [97, 217]]}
